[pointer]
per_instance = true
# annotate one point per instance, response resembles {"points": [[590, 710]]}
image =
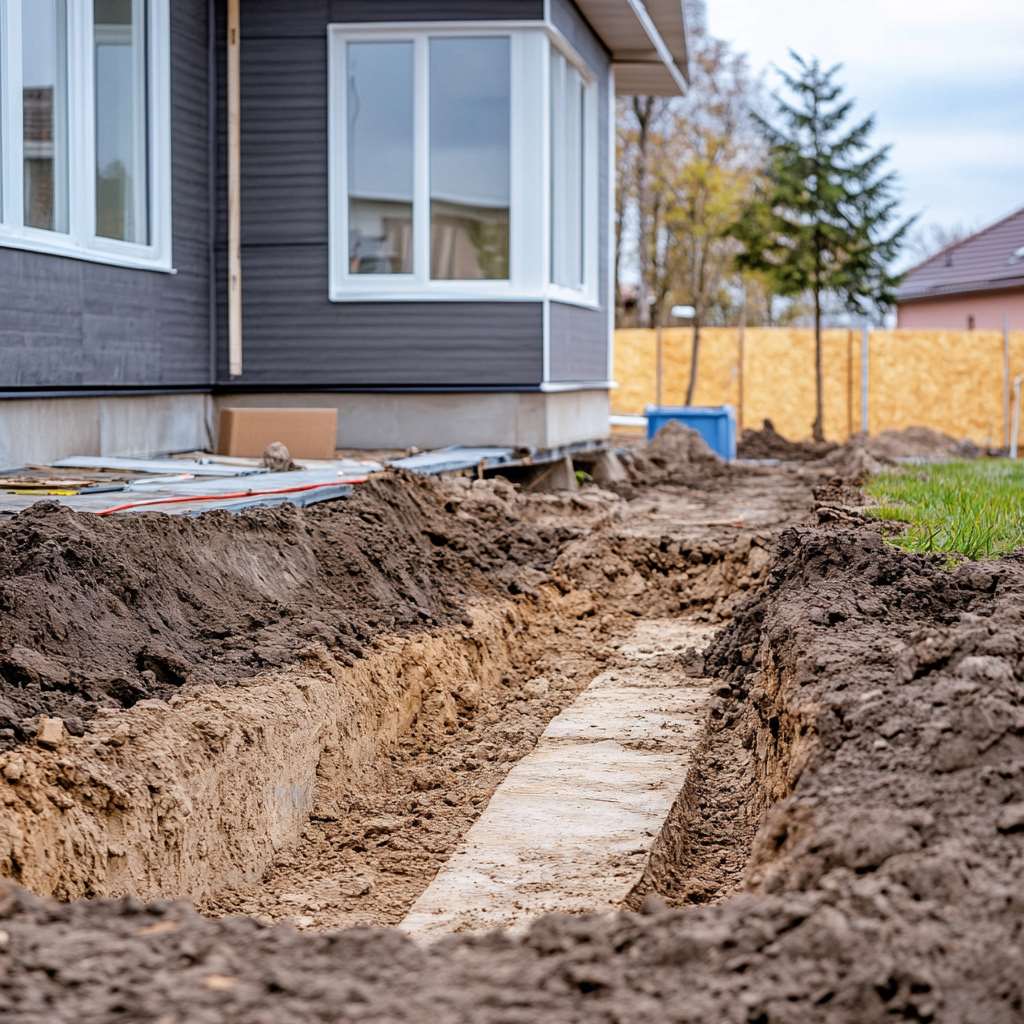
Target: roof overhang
{"points": [[952, 291], [647, 41]]}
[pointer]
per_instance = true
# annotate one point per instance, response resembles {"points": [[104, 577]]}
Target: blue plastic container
{"points": [[716, 424]]}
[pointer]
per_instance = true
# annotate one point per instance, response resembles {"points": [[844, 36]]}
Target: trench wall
{"points": [[952, 381], [186, 797]]}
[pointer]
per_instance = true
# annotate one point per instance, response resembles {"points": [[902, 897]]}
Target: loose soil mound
{"points": [[105, 612], [920, 443], [768, 443], [676, 455], [860, 454], [882, 701]]}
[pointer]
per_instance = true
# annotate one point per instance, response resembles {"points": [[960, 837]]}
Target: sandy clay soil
{"points": [[292, 719]]}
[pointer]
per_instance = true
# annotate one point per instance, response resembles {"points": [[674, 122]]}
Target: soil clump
{"points": [[768, 443], [676, 455]]}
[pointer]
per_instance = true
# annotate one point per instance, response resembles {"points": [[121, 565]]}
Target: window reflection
{"points": [[119, 36], [44, 113], [470, 122], [380, 157]]}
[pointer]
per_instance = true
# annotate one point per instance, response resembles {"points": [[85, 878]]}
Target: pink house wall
{"points": [[954, 311]]}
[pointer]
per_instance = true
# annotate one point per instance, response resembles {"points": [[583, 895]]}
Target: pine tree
{"points": [[822, 219]]}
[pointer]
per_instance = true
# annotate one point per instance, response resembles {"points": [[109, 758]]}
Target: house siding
{"points": [[580, 338], [69, 323], [985, 311], [294, 335]]}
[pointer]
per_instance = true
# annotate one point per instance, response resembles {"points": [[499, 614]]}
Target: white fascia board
{"points": [[660, 47]]}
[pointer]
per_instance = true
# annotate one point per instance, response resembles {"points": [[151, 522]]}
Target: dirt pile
{"points": [[675, 455], [919, 443], [768, 443], [860, 456], [105, 612], [881, 700]]}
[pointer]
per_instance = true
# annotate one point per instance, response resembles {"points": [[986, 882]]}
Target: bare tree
{"points": [[929, 239]]}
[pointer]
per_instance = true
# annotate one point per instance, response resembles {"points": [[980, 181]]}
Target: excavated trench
{"points": [[844, 843], [330, 786]]}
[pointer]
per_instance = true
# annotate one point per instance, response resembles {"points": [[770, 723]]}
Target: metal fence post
{"points": [[864, 356], [1006, 381]]}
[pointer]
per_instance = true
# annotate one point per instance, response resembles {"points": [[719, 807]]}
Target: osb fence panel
{"points": [[949, 380]]}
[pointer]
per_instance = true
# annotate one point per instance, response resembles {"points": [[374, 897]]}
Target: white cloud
{"points": [[946, 79]]}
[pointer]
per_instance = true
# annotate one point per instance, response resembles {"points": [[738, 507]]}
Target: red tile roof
{"points": [[991, 260]]}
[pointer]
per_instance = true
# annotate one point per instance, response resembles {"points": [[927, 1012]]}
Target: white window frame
{"points": [[81, 241], [529, 180], [587, 290]]}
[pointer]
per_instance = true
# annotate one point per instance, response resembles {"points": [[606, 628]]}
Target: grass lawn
{"points": [[970, 509]]}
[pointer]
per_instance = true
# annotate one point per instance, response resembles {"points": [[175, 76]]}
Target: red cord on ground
{"points": [[225, 497]]}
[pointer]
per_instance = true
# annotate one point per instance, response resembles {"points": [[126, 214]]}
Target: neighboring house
{"points": [[425, 230], [977, 283]]}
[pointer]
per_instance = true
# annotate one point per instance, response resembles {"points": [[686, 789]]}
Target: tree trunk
{"points": [[818, 430], [691, 385], [619, 212], [643, 108]]}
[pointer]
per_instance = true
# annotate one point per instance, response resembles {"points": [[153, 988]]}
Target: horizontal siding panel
{"points": [[67, 322], [294, 335], [579, 343], [279, 19], [436, 10], [284, 143]]}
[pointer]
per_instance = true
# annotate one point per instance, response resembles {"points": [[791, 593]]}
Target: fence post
{"points": [[849, 382], [1006, 381], [657, 371], [741, 346], [864, 345], [1015, 430]]}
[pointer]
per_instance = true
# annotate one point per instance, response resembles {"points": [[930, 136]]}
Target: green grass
{"points": [[966, 509]]}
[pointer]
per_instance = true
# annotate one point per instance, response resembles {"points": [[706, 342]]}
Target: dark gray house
{"points": [[401, 208]]}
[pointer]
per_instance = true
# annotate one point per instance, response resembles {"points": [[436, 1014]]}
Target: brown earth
{"points": [[209, 792], [768, 443], [884, 447], [669, 552], [102, 613], [854, 816]]}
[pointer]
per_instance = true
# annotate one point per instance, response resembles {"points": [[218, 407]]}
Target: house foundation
{"points": [[511, 419], [41, 429]]}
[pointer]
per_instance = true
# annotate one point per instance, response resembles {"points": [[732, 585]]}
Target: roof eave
{"points": [[646, 41], [679, 75], [951, 291]]}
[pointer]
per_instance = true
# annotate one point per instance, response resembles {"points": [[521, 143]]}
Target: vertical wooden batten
{"points": [[234, 192]]}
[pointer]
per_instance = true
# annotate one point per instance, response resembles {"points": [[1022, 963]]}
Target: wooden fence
{"points": [[954, 381]]}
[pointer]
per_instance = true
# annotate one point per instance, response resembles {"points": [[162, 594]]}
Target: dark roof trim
{"points": [[968, 288]]}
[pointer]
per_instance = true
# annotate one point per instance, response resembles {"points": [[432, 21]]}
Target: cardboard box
{"points": [[306, 433]]}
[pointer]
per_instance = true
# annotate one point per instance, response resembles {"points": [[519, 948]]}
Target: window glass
{"points": [[557, 93], [568, 173], [44, 106], [119, 36], [470, 158], [573, 276], [380, 157]]}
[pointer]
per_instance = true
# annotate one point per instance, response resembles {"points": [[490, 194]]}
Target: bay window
{"points": [[85, 129], [443, 180]]}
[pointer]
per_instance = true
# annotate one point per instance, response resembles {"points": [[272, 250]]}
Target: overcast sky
{"points": [[945, 77]]}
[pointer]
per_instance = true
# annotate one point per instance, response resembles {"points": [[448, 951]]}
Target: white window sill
{"points": [[569, 297], [564, 296], [68, 250]]}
